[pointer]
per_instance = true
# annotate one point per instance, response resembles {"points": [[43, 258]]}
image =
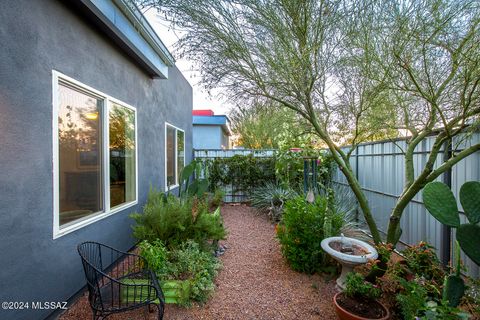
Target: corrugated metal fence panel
{"points": [[231, 194], [228, 153], [380, 169]]}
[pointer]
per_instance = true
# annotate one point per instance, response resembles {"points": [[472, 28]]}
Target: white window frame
{"points": [[177, 184], [58, 77]]}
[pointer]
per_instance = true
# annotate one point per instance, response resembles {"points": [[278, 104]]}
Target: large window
{"points": [[174, 155], [95, 155]]}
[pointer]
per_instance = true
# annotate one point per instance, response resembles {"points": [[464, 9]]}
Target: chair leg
{"points": [[161, 309], [99, 317], [146, 311]]}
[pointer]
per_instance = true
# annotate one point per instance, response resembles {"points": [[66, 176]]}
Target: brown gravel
{"points": [[254, 283]]}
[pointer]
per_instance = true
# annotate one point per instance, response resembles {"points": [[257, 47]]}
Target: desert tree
{"points": [[351, 69], [261, 126]]}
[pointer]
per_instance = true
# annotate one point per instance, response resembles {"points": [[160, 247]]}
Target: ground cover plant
{"points": [[187, 263], [359, 297], [417, 285]]}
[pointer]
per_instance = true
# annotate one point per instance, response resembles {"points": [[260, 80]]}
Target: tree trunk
{"points": [[362, 202]]}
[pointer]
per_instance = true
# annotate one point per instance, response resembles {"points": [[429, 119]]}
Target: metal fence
{"points": [[380, 170], [232, 192]]}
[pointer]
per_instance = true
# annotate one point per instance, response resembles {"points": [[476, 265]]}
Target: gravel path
{"points": [[254, 283]]}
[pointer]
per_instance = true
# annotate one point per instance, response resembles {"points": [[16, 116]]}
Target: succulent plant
{"points": [[440, 202], [454, 286]]}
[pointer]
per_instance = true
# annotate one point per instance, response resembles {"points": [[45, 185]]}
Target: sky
{"points": [[201, 99]]}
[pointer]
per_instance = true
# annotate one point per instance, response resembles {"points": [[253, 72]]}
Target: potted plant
{"points": [[358, 300]]}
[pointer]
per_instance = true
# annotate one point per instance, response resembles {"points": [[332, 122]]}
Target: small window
{"points": [[95, 143], [174, 155]]}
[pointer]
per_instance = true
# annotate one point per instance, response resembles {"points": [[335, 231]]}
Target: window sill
{"points": [[95, 217], [172, 187]]}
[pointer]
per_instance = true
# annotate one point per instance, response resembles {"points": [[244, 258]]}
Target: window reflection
{"points": [[80, 156], [171, 156], [122, 155], [180, 152]]}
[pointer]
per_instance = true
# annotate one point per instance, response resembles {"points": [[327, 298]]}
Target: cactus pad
{"points": [[453, 290], [470, 200], [440, 202], [468, 235]]}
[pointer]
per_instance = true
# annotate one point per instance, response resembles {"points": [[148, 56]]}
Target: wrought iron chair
{"points": [[118, 281]]}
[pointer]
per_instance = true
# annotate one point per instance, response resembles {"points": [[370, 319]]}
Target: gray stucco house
{"points": [[210, 131], [93, 113]]}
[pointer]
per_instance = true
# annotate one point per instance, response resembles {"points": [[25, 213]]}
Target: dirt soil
{"points": [[254, 283], [364, 308]]}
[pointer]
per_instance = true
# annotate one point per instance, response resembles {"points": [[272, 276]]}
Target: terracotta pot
{"points": [[346, 315]]}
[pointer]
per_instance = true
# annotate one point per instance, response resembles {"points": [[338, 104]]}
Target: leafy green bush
{"points": [[216, 199], [301, 231], [199, 266], [412, 300], [357, 287], [156, 255], [242, 172], [289, 167], [174, 221], [186, 262]]}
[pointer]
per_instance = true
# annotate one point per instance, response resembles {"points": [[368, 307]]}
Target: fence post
{"points": [[446, 230]]}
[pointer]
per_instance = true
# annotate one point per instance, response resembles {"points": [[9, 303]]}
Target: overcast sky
{"points": [[201, 99]]}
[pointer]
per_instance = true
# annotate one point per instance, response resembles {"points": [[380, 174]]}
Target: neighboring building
{"points": [[210, 131], [93, 114]]}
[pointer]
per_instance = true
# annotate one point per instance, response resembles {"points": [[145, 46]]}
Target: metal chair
{"points": [[118, 281]]}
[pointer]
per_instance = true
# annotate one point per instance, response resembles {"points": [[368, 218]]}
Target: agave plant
{"points": [[270, 198]]}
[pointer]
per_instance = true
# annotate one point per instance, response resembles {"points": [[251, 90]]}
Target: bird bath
{"points": [[349, 252]]}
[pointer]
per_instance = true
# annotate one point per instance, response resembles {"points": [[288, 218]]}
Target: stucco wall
{"points": [[225, 140], [38, 37], [207, 137]]}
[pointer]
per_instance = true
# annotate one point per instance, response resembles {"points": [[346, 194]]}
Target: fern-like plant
{"points": [[174, 221]]}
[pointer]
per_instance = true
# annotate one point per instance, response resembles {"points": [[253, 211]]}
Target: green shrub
{"points": [[199, 266], [174, 221], [156, 255], [357, 287], [216, 199], [412, 300], [301, 231], [289, 167], [186, 262], [241, 171]]}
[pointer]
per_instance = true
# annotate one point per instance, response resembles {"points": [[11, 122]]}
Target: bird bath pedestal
{"points": [[349, 252]]}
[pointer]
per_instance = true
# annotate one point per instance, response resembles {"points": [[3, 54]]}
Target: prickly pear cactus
{"points": [[454, 286], [468, 235], [470, 200], [440, 202], [453, 289]]}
